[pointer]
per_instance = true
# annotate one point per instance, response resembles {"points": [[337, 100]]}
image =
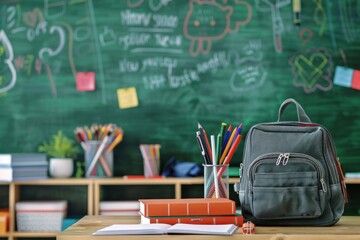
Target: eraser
{"points": [[248, 228]]}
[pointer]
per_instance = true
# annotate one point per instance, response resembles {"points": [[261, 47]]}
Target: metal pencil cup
{"points": [[98, 161], [216, 181]]}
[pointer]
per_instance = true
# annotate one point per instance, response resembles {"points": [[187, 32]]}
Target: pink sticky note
{"points": [[85, 81], [356, 80]]}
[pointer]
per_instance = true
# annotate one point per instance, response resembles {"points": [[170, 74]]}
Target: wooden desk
{"points": [[346, 228]]}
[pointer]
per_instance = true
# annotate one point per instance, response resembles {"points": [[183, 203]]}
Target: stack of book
{"points": [[189, 211], [23, 166]]}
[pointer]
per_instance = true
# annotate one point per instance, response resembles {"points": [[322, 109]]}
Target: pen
{"points": [[205, 139], [201, 146], [226, 138], [297, 12]]}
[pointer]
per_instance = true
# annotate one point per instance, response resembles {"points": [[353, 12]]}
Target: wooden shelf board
{"points": [[352, 180]]}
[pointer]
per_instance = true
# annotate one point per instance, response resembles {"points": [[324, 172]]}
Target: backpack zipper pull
{"points": [[278, 161], [323, 184], [286, 158], [241, 170]]}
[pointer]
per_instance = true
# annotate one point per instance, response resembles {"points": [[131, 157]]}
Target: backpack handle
{"points": [[302, 116]]}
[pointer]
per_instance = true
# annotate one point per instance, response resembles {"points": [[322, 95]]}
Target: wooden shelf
{"points": [[14, 197], [94, 188], [352, 180]]}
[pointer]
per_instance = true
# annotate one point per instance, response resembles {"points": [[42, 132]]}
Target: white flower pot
{"points": [[61, 167]]}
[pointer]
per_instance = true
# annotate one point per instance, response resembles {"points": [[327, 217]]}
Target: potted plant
{"points": [[61, 151]]}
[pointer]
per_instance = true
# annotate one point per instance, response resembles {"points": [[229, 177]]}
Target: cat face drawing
{"points": [[207, 21]]}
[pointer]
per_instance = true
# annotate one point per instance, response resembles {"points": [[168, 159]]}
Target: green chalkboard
{"points": [[191, 61]]}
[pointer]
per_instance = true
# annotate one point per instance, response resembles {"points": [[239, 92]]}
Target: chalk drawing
{"points": [[312, 69], [54, 9], [154, 5], [82, 33], [53, 52], [347, 17], [7, 50], [276, 19], [306, 35], [107, 37], [203, 16], [320, 16]]}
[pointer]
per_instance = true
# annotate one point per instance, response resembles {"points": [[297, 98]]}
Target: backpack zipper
{"points": [[284, 158]]}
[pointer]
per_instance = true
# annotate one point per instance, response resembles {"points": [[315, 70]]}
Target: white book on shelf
{"points": [[120, 205], [22, 159], [32, 173], [123, 208]]}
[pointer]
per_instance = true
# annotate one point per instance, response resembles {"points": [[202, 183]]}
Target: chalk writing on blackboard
{"points": [[250, 74], [312, 70]]}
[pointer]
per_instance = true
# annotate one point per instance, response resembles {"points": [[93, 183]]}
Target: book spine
{"points": [[188, 209], [237, 220]]}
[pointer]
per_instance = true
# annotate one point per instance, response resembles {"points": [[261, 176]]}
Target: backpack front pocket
{"points": [[286, 186]]}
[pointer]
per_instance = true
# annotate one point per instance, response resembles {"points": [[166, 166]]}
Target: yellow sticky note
{"points": [[127, 97]]}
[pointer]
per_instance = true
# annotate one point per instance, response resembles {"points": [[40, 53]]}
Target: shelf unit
{"points": [[94, 188], [14, 197]]}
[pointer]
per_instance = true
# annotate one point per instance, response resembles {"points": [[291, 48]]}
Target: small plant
{"points": [[60, 146]]}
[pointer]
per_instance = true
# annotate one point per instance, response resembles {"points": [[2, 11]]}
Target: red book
{"points": [[187, 207], [234, 219]]}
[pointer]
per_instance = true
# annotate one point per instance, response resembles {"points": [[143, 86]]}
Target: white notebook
{"points": [[158, 228]]}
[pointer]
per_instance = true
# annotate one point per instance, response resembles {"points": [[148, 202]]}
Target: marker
{"points": [[297, 12]]}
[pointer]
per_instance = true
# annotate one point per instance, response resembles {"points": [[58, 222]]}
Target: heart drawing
{"points": [[312, 70]]}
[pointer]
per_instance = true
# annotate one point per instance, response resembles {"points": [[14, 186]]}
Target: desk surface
{"points": [[346, 228]]}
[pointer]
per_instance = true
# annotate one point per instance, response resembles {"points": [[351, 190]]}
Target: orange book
{"points": [[187, 207], [229, 219]]}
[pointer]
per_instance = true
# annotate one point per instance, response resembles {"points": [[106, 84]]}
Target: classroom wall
{"points": [[172, 64]]}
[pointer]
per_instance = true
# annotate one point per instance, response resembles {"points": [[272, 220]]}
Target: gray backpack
{"points": [[290, 174]]}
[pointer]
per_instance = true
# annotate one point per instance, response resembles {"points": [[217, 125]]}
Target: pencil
{"points": [[232, 149], [228, 146], [116, 141]]}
